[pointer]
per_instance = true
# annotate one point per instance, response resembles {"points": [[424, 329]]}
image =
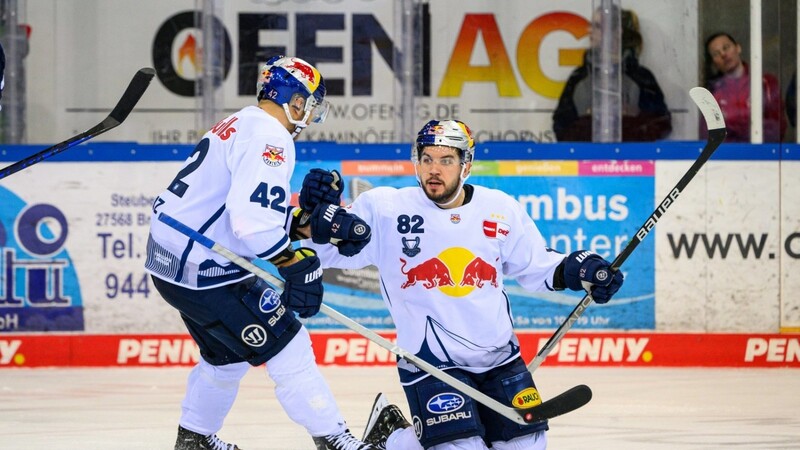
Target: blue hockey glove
{"points": [[590, 272], [302, 291], [332, 224], [321, 186]]}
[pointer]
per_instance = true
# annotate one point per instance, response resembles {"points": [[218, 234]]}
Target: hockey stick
{"points": [[716, 134], [563, 403], [135, 90]]}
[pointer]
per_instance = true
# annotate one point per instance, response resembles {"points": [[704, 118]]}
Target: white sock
{"points": [[302, 391], [470, 443], [537, 441], [403, 439], [210, 392]]}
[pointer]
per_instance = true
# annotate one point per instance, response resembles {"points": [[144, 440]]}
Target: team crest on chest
{"points": [[455, 218], [273, 156]]}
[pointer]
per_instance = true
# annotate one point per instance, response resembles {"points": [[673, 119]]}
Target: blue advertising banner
{"points": [[599, 210], [39, 290]]}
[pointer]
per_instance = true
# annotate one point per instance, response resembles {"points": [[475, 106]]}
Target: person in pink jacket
{"points": [[729, 81]]}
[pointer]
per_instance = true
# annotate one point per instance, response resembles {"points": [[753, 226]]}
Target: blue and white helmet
{"points": [[281, 78], [447, 133]]}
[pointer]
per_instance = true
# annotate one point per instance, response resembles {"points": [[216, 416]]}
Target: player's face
{"points": [[439, 170]]}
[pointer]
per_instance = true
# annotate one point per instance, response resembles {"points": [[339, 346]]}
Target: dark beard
{"points": [[445, 196]]}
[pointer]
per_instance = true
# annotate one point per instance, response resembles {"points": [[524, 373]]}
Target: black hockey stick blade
{"points": [[715, 123], [139, 83], [567, 401]]}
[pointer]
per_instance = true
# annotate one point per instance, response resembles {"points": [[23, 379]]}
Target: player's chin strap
{"points": [[299, 125]]}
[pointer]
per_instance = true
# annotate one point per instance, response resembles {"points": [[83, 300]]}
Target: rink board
{"points": [[599, 349], [73, 235]]}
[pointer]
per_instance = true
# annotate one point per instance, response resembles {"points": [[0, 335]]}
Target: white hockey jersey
{"points": [[234, 189], [442, 271]]}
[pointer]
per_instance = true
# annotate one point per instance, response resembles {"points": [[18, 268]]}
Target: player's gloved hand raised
{"points": [[586, 270], [320, 186], [302, 291], [333, 224]]}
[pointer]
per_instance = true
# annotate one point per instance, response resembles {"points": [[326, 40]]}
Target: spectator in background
{"points": [[645, 116], [728, 78]]}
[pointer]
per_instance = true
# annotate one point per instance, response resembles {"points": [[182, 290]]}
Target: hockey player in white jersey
{"points": [[442, 250], [234, 188]]}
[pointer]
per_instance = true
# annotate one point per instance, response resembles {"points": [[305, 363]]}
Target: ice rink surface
{"points": [[641, 408]]}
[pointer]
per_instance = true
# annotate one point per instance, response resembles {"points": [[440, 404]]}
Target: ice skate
{"points": [[189, 440], [383, 421], [341, 441]]}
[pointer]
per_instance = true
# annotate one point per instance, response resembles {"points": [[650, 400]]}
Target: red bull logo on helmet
{"points": [[455, 271], [304, 72]]}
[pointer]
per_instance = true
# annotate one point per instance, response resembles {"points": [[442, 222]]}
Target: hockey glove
{"points": [[321, 186], [332, 224], [302, 291], [588, 271]]}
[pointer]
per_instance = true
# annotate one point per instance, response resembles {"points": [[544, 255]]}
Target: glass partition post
{"points": [[606, 52], [211, 64]]}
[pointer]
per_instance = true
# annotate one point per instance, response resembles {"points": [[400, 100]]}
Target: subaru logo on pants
{"points": [[445, 403], [270, 301]]}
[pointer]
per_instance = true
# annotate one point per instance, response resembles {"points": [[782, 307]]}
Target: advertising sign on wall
{"points": [[499, 67], [576, 205], [74, 261]]}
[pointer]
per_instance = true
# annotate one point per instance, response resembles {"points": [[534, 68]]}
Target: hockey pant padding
{"points": [[301, 390], [210, 393], [537, 441]]}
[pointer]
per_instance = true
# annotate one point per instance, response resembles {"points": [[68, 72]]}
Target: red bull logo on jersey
{"points": [[273, 156], [431, 273], [455, 272], [478, 272]]}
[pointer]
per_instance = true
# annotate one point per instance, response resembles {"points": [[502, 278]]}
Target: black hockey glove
{"points": [[332, 224], [302, 291], [321, 186], [590, 272]]}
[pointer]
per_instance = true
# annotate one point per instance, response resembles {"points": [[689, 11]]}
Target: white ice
{"points": [[642, 408]]}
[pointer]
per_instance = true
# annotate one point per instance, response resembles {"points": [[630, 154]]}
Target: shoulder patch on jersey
{"points": [[496, 230], [273, 156]]}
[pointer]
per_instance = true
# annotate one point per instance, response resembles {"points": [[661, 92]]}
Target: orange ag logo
{"points": [[527, 398]]}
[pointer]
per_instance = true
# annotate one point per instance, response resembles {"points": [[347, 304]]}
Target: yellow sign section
{"points": [[520, 168], [527, 398]]}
